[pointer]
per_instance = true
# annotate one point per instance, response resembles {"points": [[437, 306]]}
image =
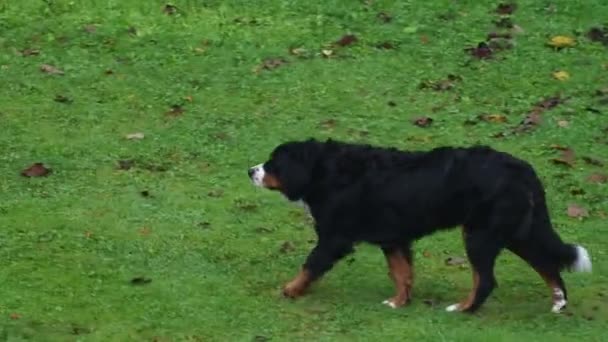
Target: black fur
{"points": [[389, 198]]}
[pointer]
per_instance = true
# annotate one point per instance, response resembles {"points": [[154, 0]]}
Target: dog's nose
{"points": [[250, 172]]}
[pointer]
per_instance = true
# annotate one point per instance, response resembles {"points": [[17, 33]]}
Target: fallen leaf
{"points": [[384, 17], [125, 164], [327, 53], [455, 261], [170, 9], [385, 46], [593, 161], [598, 35], [506, 9], [496, 35], [62, 99], [560, 42], [145, 231], [29, 52], [494, 118], [176, 110], [576, 211], [561, 75], [482, 51], [328, 124], [51, 70], [441, 85], [423, 121], [600, 178], [36, 170], [534, 117], [347, 40], [140, 281], [505, 22], [215, 193], [88, 234], [426, 254], [15, 316], [563, 123], [392, 103], [270, 64], [90, 28], [424, 39], [135, 136], [287, 247], [298, 51], [567, 157]]}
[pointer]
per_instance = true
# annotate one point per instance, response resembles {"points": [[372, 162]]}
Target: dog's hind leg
{"points": [[401, 271]]}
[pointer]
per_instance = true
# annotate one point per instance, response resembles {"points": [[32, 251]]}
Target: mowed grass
{"points": [[214, 249]]}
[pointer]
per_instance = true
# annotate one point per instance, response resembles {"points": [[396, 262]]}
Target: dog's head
{"points": [[289, 169]]}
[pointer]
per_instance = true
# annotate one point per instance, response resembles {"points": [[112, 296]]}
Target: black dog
{"points": [[390, 198]]}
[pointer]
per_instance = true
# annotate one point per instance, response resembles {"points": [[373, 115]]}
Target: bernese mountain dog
{"points": [[390, 198]]}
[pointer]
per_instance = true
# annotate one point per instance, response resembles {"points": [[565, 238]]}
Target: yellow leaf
{"points": [[562, 42], [561, 75]]}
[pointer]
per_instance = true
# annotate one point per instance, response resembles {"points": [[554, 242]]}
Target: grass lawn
{"points": [[165, 239]]}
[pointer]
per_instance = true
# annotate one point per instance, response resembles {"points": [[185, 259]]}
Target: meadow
{"points": [[142, 225]]}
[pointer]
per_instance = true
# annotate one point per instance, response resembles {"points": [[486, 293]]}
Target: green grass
{"points": [[210, 242]]}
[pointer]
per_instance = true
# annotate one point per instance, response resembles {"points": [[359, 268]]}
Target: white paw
{"points": [[558, 306], [453, 307], [390, 303]]}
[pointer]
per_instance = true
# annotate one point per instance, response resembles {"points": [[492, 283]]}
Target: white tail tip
{"points": [[583, 261]]}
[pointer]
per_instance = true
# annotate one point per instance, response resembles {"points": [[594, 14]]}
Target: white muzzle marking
{"points": [[257, 177]]}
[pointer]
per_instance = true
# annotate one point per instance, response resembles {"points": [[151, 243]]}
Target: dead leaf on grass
{"points": [[62, 99], [576, 211], [455, 261], [567, 156], [346, 40], [140, 281], [593, 161], [328, 124], [506, 8], [36, 170], [125, 164], [441, 85], [385, 45], [563, 123], [598, 35], [561, 42], [135, 136], [29, 52], [145, 231], [90, 28], [505, 22], [599, 178], [426, 254], [175, 110], [170, 9], [423, 121], [384, 17], [561, 75], [482, 51], [15, 316], [271, 64], [494, 118], [287, 247], [51, 70]]}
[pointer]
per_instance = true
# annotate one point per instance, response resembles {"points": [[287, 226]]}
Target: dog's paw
{"points": [[292, 291], [395, 302], [558, 306], [453, 307]]}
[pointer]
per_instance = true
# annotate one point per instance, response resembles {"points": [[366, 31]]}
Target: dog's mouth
{"points": [[263, 179]]}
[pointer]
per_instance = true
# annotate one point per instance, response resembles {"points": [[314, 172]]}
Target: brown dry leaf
{"points": [[88, 234], [600, 178], [482, 51], [287, 247], [561, 75], [384, 17], [62, 99], [423, 121], [270, 64], [567, 157], [593, 161], [441, 85], [15, 316], [328, 124], [560, 42], [176, 110], [36, 170], [135, 136], [426, 254], [494, 118], [29, 52], [90, 28], [424, 39], [385, 46], [576, 211], [347, 40], [51, 70], [506, 9], [145, 231], [455, 261]]}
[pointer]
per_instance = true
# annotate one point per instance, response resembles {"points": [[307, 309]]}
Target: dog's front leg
{"points": [[320, 260]]}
